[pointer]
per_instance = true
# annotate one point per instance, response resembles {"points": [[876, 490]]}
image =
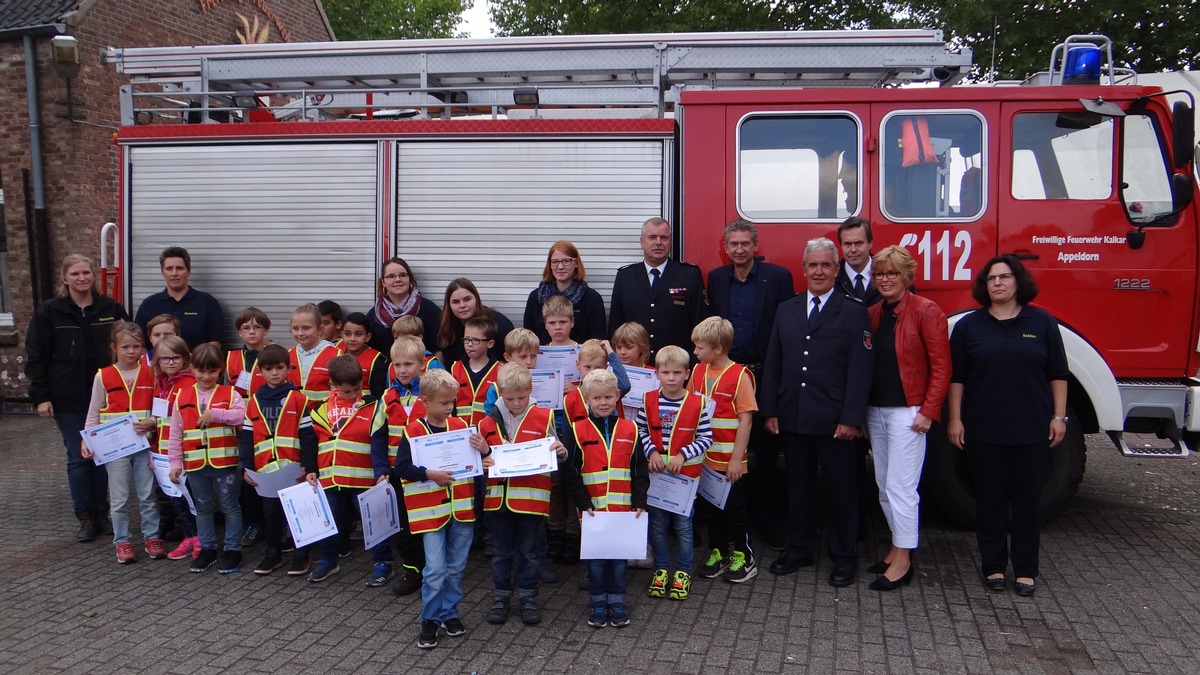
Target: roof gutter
{"points": [[39, 30]]}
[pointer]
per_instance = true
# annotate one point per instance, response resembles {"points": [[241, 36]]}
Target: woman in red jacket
{"points": [[912, 374]]}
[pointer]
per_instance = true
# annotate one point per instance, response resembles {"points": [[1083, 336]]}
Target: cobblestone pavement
{"points": [[1119, 593]]}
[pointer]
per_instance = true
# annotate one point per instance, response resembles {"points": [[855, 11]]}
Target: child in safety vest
{"points": [[278, 431], [125, 387], [204, 443], [330, 327], [157, 328], [413, 326], [476, 373], [674, 426], [520, 346], [356, 336], [631, 342], [516, 508], [731, 386], [311, 356], [242, 371], [173, 373], [605, 471], [348, 425], [440, 509]]}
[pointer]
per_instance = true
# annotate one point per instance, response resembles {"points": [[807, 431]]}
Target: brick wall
{"points": [[79, 159]]}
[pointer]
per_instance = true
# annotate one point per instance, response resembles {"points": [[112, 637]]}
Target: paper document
{"points": [[114, 440], [564, 358], [380, 514], [523, 459], [308, 514], [449, 451], [547, 388], [672, 493], [714, 487], [641, 380], [160, 408], [610, 535], [269, 483], [243, 381], [162, 472]]}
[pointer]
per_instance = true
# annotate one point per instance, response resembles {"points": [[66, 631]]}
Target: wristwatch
{"points": [[1056, 418]]}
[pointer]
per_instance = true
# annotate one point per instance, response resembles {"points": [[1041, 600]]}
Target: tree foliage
{"points": [[394, 19]]}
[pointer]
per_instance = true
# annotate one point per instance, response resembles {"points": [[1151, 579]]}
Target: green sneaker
{"points": [[715, 565], [741, 568], [658, 585], [681, 586]]}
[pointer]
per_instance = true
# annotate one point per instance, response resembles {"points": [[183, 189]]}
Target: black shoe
{"points": [[300, 564], [882, 583], [230, 562], [454, 627], [428, 637], [272, 561], [529, 613], [251, 535], [87, 527], [103, 522], [842, 575], [997, 585], [1025, 590], [788, 563], [408, 583], [499, 612], [879, 567], [206, 559]]}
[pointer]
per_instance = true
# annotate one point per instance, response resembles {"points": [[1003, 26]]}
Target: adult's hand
{"points": [[771, 424], [1058, 430], [954, 432], [46, 409], [845, 432], [921, 424]]}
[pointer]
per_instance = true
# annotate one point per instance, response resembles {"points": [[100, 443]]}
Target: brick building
{"points": [[78, 162]]}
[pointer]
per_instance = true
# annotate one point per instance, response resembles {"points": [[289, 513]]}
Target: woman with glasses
{"points": [[564, 275], [1008, 407], [398, 296], [462, 303], [912, 372]]}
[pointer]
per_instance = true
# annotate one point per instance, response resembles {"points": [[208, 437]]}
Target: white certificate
{"points": [[162, 471], [160, 408], [449, 451], [380, 514], [523, 459], [672, 493], [308, 514], [714, 487], [611, 535], [114, 440], [641, 380], [269, 483], [565, 358], [548, 388], [243, 381]]}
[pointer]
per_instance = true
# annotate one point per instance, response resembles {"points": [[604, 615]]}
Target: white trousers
{"points": [[899, 454]]}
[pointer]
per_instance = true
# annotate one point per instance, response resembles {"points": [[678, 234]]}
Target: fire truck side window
{"points": [[798, 167], [1065, 155], [933, 165], [1145, 176]]}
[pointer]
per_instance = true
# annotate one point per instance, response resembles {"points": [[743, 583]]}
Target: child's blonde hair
{"points": [[714, 332], [436, 380], [310, 309], [408, 325], [126, 328], [632, 333], [672, 355], [598, 379], [175, 345], [513, 377], [520, 340], [558, 305], [407, 345], [592, 349]]}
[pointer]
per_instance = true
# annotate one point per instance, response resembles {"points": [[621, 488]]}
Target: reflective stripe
{"points": [[431, 506], [471, 401], [724, 423]]}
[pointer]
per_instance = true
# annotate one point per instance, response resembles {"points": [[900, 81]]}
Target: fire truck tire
{"points": [[947, 484]]}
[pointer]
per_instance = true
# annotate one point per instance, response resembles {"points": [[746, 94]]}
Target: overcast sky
{"points": [[475, 21]]}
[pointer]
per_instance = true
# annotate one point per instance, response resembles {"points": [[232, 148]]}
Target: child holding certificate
{"points": [[520, 346], [605, 471], [631, 341], [441, 510], [311, 356], [173, 366], [241, 371], [127, 386], [516, 508], [476, 373], [412, 325], [675, 430]]}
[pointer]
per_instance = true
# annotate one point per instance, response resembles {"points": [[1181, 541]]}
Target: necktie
{"points": [[860, 289], [654, 275], [816, 308]]}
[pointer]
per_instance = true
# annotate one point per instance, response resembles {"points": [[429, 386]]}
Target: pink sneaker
{"points": [[154, 549], [195, 547], [183, 550], [125, 553]]}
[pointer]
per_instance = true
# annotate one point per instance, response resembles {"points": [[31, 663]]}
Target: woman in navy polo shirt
{"points": [[1008, 407]]}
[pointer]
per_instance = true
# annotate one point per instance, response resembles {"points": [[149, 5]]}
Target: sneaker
{"points": [[428, 637], [323, 571], [288, 544], [547, 575], [382, 574], [196, 548], [356, 532], [681, 586], [345, 553], [741, 568], [87, 528], [598, 617], [299, 566], [204, 560], [617, 616], [529, 613], [499, 612], [230, 562], [270, 562], [155, 549], [125, 553], [715, 566], [658, 584], [408, 583], [252, 535], [454, 627], [183, 550]]}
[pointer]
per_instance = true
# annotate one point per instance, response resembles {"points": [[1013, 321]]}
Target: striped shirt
{"points": [[668, 410]]}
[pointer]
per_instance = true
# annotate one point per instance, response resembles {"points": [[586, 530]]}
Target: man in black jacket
{"points": [[854, 276]]}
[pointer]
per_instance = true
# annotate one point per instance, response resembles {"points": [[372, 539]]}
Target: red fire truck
{"points": [[291, 171]]}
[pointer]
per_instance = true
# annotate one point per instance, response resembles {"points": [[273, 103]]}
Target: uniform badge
{"points": [[867, 341]]}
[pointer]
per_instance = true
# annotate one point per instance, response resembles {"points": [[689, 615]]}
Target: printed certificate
{"points": [[380, 514], [449, 451], [547, 388], [114, 440], [162, 472], [523, 459], [308, 514], [611, 535], [641, 380], [714, 487], [564, 358], [269, 483], [671, 492]]}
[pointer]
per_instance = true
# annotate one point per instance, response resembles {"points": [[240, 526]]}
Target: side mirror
{"points": [[1183, 134], [1182, 191]]}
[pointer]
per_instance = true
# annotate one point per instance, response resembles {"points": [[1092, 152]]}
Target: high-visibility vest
{"points": [[430, 505], [281, 444], [367, 359], [235, 363], [522, 494], [216, 445], [576, 410], [398, 417], [606, 466], [916, 147], [344, 454], [164, 423], [683, 431], [724, 420], [471, 399], [121, 398], [315, 386]]}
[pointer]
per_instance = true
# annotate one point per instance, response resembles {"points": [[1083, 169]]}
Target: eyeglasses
{"points": [[170, 359], [885, 275], [473, 340], [993, 278], [563, 262], [397, 275]]}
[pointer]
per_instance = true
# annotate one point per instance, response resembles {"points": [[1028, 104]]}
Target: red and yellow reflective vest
{"points": [[367, 360], [724, 419], [216, 445], [430, 505], [315, 386], [683, 431], [471, 400], [121, 399], [398, 417], [521, 494], [281, 444], [235, 363], [344, 453], [164, 423], [606, 466]]}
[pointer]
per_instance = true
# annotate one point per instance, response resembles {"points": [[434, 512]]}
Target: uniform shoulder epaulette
{"points": [[687, 264], [625, 267]]}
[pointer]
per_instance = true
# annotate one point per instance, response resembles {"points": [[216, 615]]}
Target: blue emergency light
{"points": [[1082, 65]]}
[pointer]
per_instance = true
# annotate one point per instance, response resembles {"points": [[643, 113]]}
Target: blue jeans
{"points": [[88, 482], [212, 488], [445, 561], [120, 472], [606, 582], [343, 504], [516, 535], [662, 525]]}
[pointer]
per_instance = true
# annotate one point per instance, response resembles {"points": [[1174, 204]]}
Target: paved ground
{"points": [[1119, 593]]}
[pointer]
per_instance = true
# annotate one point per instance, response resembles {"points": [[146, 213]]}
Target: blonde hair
{"points": [[74, 259], [310, 309], [592, 349], [632, 333], [714, 332], [407, 345], [436, 380], [175, 345], [520, 340], [672, 355], [897, 259], [408, 325], [558, 305], [513, 377], [603, 379]]}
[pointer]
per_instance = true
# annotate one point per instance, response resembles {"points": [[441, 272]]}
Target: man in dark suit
{"points": [[816, 379], [665, 296], [854, 276], [747, 293]]}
